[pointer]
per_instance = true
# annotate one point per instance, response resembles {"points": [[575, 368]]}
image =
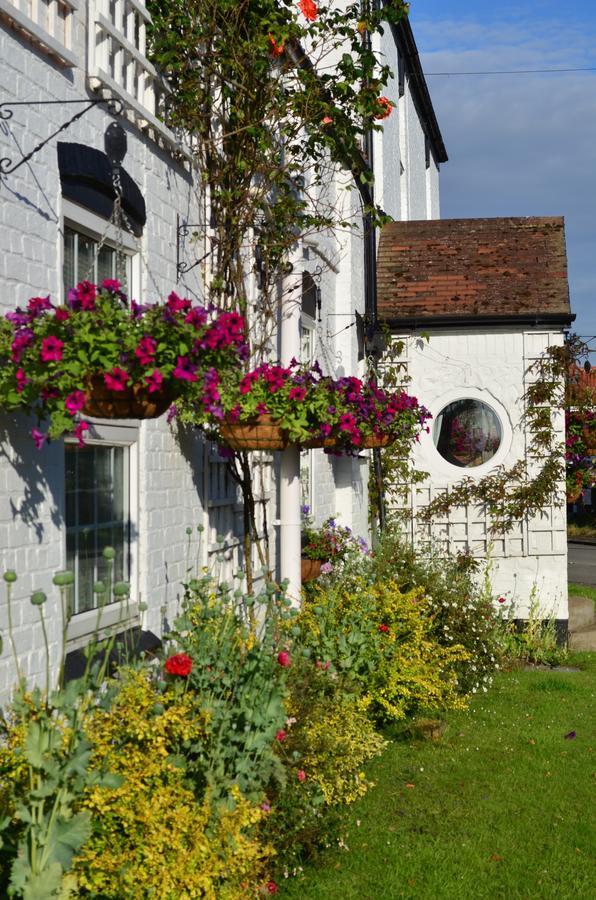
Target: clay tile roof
{"points": [[448, 271]]}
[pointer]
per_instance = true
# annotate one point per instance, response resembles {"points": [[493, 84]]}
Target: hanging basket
{"points": [[310, 569], [373, 441], [261, 433], [319, 443], [135, 402]]}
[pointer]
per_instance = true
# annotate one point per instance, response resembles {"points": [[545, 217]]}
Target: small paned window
{"points": [[83, 262], [97, 516], [467, 433]]}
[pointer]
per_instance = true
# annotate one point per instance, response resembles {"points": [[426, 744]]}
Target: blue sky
{"points": [[518, 144]]}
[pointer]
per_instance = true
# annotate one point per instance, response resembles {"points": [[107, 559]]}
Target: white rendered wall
{"points": [[489, 366], [31, 482]]}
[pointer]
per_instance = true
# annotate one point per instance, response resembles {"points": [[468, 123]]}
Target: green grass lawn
{"points": [[582, 590], [503, 806]]}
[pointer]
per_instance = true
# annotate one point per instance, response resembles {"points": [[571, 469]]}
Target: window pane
{"points": [[70, 274], [96, 516], [105, 263], [85, 258], [467, 433]]}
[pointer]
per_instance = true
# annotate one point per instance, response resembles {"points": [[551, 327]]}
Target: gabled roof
{"points": [[473, 271]]}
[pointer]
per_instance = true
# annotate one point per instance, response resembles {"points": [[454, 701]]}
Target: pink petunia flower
{"points": [[39, 437], [116, 380], [145, 352], [154, 381], [79, 433], [51, 349], [22, 380], [75, 402]]}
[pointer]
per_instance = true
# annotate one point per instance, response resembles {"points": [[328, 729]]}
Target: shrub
{"points": [[462, 607], [385, 640], [153, 835]]}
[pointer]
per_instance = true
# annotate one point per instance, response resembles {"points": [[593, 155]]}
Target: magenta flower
{"points": [[184, 370], [111, 285], [301, 775], [20, 343], [116, 380], [75, 402], [22, 380], [39, 437], [297, 393], [51, 349], [176, 304], [37, 305], [154, 381], [145, 352], [284, 659], [172, 413], [61, 314], [83, 296], [196, 317], [79, 433]]}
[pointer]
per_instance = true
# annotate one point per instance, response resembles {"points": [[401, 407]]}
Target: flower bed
{"points": [[102, 356]]}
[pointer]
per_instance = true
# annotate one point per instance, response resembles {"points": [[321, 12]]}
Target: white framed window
{"points": [[101, 510], [49, 24], [82, 233]]}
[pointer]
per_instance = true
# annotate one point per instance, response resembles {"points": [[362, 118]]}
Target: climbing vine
{"points": [[277, 96]]}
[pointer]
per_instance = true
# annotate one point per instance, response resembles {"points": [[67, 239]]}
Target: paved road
{"points": [[582, 563]]}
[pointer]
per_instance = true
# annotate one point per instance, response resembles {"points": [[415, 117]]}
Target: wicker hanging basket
{"points": [[319, 443], [373, 441], [261, 433], [135, 402], [310, 569]]}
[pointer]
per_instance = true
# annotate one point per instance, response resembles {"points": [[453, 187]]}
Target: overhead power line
{"points": [[513, 72]]}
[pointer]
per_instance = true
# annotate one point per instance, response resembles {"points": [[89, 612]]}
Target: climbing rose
{"points": [[385, 108], [309, 10], [284, 660], [179, 664]]}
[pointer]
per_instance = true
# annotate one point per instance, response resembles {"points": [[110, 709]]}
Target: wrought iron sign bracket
{"points": [[182, 231], [7, 167]]}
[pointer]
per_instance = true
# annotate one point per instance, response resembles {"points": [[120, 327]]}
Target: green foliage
{"points": [[462, 608], [45, 766], [234, 643], [384, 640], [330, 542], [154, 833], [532, 641]]}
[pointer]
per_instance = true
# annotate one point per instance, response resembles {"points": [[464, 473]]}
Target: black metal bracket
{"points": [[182, 231], [113, 104]]}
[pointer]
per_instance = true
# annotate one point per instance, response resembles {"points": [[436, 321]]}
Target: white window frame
{"points": [[82, 625], [83, 220], [123, 434]]}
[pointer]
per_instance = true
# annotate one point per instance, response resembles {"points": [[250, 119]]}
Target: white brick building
{"points": [[137, 485]]}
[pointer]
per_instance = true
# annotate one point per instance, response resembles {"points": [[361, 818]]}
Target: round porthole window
{"points": [[467, 433]]}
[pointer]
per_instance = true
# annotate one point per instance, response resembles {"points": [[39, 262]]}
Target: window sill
{"points": [[82, 625]]}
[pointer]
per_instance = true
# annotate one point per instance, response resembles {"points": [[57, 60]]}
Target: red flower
{"points": [[179, 664], [502, 600], [272, 888], [309, 9], [284, 660], [280, 736], [301, 775], [385, 108], [384, 629], [274, 48]]}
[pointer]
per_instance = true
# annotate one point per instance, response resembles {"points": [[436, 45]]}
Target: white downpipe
{"points": [[290, 526]]}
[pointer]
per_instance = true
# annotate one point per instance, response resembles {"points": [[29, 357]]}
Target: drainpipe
{"points": [[289, 499]]}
